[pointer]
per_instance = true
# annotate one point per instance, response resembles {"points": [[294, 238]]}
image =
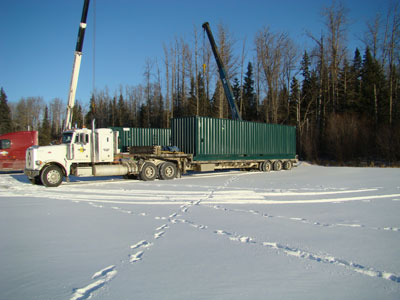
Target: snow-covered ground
{"points": [[310, 233]]}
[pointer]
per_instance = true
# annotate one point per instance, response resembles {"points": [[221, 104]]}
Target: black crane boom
{"points": [[222, 74]]}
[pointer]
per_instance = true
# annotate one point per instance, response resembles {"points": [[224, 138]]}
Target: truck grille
{"points": [[30, 158]]}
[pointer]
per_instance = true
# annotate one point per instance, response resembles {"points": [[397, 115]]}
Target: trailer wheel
{"points": [[51, 176], [148, 172], [277, 165], [287, 165], [168, 171], [266, 166]]}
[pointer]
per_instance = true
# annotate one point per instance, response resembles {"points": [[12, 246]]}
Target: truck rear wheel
{"points": [[168, 171], [266, 166], [287, 165], [148, 172], [51, 176], [277, 165]]}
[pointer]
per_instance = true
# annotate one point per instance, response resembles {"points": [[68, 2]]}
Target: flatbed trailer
{"points": [[185, 162]]}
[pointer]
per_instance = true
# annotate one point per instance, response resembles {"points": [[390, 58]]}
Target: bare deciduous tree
{"points": [[57, 111], [384, 41], [271, 48], [392, 46], [336, 24]]}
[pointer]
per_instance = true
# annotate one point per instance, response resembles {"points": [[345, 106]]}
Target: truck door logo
{"points": [[4, 153]]}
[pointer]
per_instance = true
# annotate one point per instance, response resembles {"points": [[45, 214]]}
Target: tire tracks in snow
{"points": [[303, 254], [304, 220]]}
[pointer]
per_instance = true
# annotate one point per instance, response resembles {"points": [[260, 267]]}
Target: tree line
{"points": [[345, 104]]}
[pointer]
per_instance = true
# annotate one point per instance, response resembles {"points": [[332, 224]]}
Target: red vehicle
{"points": [[13, 146]]}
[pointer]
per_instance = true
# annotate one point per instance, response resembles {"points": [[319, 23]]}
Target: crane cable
{"points": [[94, 50]]}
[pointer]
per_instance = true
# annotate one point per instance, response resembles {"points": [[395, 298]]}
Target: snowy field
{"points": [[310, 233]]}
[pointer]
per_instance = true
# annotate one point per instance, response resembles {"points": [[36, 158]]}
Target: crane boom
{"points": [[222, 74], [76, 66]]}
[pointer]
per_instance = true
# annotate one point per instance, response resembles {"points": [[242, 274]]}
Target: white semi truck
{"points": [[85, 152]]}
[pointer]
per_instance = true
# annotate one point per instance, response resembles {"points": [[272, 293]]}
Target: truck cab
{"points": [[78, 151]]}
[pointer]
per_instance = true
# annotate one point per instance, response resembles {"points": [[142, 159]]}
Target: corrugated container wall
{"points": [[129, 136], [224, 139]]}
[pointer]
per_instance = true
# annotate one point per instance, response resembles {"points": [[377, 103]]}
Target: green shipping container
{"points": [[223, 139], [129, 136]]}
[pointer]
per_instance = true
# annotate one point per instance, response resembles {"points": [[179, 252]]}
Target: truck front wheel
{"points": [[148, 172], [167, 171], [51, 176]]}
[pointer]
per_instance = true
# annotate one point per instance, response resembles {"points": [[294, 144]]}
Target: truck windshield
{"points": [[5, 144], [67, 137]]}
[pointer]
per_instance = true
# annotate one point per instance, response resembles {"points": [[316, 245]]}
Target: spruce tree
{"points": [[373, 88], [55, 131], [204, 103], [354, 91], [236, 94], [309, 90], [122, 112], [249, 96], [5, 114], [77, 116], [305, 71], [112, 116], [191, 106], [294, 102], [45, 129], [144, 116], [91, 113], [396, 97], [215, 103]]}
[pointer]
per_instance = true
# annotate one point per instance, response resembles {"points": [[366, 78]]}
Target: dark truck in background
{"points": [[13, 146]]}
